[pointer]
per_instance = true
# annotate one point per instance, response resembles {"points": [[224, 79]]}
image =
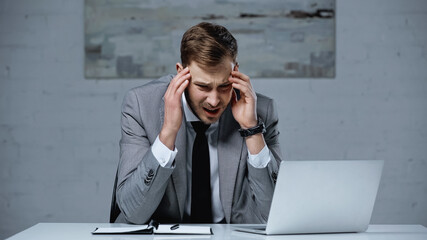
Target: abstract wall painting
{"points": [[277, 38]]}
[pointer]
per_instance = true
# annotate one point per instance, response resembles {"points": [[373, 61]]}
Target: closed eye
{"points": [[202, 87], [225, 87]]}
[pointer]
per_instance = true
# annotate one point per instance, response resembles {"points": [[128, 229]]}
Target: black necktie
{"points": [[201, 209]]}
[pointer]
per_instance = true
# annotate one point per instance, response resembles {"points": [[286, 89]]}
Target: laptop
{"points": [[321, 196]]}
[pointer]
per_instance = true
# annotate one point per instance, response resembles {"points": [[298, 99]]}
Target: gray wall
{"points": [[59, 132]]}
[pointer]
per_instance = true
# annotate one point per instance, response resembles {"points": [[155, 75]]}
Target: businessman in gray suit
{"points": [[199, 146]]}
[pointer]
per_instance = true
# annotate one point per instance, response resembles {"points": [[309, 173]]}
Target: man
{"points": [[200, 146]]}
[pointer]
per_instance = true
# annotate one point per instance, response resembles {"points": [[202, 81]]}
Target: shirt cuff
{"points": [[261, 159], [163, 154]]}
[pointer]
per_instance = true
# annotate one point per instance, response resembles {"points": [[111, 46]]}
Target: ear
{"points": [[179, 67], [236, 67]]}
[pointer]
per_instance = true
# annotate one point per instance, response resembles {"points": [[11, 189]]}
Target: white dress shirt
{"points": [[166, 158]]}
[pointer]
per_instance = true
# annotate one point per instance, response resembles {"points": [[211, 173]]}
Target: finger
{"points": [[241, 88], [233, 97], [179, 75], [178, 82], [240, 75], [182, 87], [245, 89], [183, 72], [239, 81], [241, 85]]}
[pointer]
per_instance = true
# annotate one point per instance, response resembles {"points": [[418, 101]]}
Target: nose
{"points": [[213, 99]]}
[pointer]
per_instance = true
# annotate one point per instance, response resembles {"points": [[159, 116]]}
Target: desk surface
{"points": [[82, 231]]}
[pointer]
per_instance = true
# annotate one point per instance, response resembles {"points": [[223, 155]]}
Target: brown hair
{"points": [[207, 44]]}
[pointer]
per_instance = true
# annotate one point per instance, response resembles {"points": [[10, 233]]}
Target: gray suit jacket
{"points": [[144, 190]]}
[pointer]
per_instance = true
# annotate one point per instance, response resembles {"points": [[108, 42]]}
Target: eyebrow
{"points": [[203, 83], [200, 83]]}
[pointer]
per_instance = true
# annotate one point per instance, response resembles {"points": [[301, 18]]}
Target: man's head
{"points": [[210, 51], [207, 44]]}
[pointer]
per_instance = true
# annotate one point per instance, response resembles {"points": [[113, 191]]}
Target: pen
{"points": [[174, 227]]}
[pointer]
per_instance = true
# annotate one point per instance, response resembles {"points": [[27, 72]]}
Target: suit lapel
{"points": [[179, 175], [230, 145]]}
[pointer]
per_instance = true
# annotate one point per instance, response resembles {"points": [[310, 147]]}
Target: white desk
{"points": [[82, 231]]}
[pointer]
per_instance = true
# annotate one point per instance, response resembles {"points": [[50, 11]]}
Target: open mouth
{"points": [[211, 111]]}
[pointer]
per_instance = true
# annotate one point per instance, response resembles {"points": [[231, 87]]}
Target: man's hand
{"points": [[244, 109], [173, 108]]}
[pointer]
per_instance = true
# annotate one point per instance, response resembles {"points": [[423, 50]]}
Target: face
{"points": [[209, 91]]}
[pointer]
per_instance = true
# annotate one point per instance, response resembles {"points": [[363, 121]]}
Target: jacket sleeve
{"points": [[257, 191], [141, 180]]}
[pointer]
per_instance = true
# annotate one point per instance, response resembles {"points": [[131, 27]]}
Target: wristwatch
{"points": [[259, 128]]}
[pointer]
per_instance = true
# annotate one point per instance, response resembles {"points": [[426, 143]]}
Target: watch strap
{"points": [[260, 128]]}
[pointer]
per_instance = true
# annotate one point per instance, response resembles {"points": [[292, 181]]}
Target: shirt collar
{"points": [[189, 115]]}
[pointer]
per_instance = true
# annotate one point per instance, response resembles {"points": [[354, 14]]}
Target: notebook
{"points": [[322, 197], [155, 228]]}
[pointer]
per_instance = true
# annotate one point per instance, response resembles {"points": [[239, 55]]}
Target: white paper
{"points": [[183, 229], [162, 229]]}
